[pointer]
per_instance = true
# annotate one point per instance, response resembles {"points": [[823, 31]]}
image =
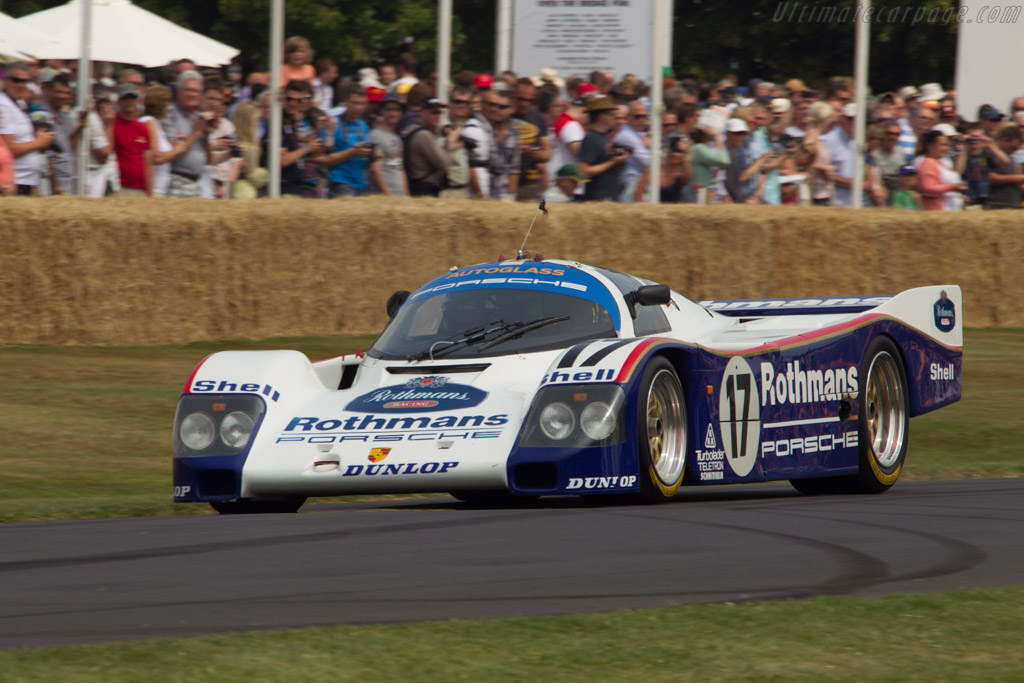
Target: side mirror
{"points": [[395, 302], [648, 295]]}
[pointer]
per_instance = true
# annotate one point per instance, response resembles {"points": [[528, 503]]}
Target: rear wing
{"points": [[748, 308]]}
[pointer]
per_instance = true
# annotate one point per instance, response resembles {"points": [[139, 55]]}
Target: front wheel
{"points": [[662, 432]]}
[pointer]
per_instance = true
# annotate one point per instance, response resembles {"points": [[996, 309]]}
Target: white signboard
{"points": [[989, 69], [579, 36]]}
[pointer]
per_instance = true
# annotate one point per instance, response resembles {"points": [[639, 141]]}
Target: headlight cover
{"points": [[576, 417], [215, 425]]}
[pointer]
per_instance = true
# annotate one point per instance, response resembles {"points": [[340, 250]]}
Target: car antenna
{"points": [[522, 255]]}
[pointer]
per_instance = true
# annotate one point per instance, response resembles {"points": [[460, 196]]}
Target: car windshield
{"points": [[462, 324]]}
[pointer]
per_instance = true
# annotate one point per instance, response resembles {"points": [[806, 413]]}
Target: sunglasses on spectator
{"points": [[465, 101], [892, 134], [526, 99], [498, 105], [640, 116], [297, 100], [15, 79]]}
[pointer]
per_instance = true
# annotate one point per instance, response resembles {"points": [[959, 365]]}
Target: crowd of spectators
{"points": [[185, 131]]}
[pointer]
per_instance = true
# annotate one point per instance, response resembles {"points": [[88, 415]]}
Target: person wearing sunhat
{"points": [[600, 160], [567, 180]]}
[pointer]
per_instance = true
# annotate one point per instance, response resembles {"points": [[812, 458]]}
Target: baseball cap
{"points": [[434, 102], [780, 105], [392, 97], [585, 89], [375, 94], [737, 126], [483, 81], [908, 92], [570, 171], [946, 129], [127, 90], [907, 170], [989, 113], [850, 109], [795, 85]]}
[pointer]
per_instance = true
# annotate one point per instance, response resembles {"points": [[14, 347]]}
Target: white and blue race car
{"points": [[530, 378]]}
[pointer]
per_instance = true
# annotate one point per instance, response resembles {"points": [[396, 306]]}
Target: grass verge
{"points": [[961, 636]]}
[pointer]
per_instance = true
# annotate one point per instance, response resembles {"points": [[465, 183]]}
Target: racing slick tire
{"points": [[884, 418], [662, 432], [258, 507], [883, 426]]}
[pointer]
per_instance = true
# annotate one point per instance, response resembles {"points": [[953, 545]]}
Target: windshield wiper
{"points": [[523, 328], [470, 336]]}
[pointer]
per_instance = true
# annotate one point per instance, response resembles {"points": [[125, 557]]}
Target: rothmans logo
{"points": [[421, 394]]}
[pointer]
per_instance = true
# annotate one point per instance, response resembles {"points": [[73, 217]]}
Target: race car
{"points": [[525, 378]]}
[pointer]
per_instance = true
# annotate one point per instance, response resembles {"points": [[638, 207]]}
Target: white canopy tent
{"points": [[125, 34], [18, 41]]}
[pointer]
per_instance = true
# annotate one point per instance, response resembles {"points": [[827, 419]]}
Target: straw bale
{"points": [[152, 271]]}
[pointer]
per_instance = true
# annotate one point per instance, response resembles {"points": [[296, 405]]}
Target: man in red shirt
{"points": [[131, 145]]}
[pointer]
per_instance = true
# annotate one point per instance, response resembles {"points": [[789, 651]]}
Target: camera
{"points": [[468, 142], [619, 150]]}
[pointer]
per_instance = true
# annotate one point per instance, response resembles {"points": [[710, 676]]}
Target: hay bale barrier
{"points": [[138, 271]]}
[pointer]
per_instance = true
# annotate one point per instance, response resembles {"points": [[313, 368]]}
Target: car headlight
{"points": [[557, 421], [216, 425], [235, 429], [576, 416], [598, 420], [197, 431]]}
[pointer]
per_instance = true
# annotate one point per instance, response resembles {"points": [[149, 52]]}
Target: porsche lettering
{"points": [[809, 444]]}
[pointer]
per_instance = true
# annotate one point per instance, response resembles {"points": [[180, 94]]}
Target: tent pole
{"points": [[274, 127], [84, 95]]}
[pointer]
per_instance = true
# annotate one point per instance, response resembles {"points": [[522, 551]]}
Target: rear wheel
{"points": [[662, 432], [883, 426], [258, 507]]}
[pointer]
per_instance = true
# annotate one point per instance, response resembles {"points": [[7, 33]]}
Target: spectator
{"points": [[759, 146], [388, 75], [841, 151], [989, 117], [493, 146], [298, 61], [742, 175], [600, 160], [568, 136], [634, 136], [252, 176], [458, 171], [906, 196], [57, 95], [184, 124], [7, 186], [349, 161], [257, 81], [935, 179], [323, 84], [822, 117], [301, 145], [222, 168], [426, 162], [676, 167], [889, 158], [156, 101], [389, 164], [706, 157], [535, 145], [564, 189], [135, 77], [406, 71], [101, 171], [1006, 179], [131, 145], [17, 132], [980, 157]]}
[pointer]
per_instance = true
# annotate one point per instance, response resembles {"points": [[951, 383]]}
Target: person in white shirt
{"points": [[18, 133]]}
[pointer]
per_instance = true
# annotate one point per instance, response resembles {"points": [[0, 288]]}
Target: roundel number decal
{"points": [[739, 414]]}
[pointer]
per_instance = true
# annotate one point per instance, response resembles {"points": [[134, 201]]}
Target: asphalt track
{"points": [[95, 581]]}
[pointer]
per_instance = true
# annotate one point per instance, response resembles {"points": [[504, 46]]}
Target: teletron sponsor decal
{"points": [[710, 460], [945, 313], [418, 395], [222, 387]]}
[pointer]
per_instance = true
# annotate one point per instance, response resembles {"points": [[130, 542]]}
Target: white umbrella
{"points": [[126, 34], [18, 41]]}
